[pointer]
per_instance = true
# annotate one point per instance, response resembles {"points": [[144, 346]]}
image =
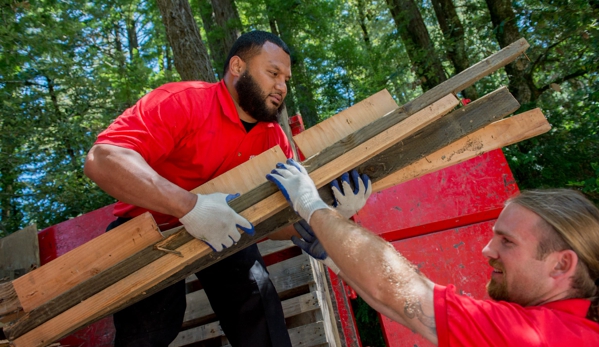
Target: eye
{"points": [[274, 73], [506, 241]]}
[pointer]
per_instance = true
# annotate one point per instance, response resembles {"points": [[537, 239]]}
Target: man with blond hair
{"points": [[544, 256]]}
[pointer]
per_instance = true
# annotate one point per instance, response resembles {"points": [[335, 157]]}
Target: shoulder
{"points": [[178, 92], [463, 320]]}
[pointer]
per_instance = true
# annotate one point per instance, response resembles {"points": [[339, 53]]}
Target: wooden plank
{"points": [[469, 76], [152, 274], [462, 80], [286, 275], [333, 129], [86, 261], [291, 307], [466, 120], [287, 215], [496, 135], [345, 162], [19, 253], [308, 335], [249, 173], [9, 301], [246, 176]]}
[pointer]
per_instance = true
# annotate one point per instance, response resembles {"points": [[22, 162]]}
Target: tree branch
{"points": [[573, 75]]}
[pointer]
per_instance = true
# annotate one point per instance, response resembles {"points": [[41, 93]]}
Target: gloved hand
{"points": [[298, 188], [348, 202], [311, 245], [213, 221]]}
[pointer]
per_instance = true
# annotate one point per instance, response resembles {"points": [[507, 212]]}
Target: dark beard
{"points": [[498, 291], [253, 102]]}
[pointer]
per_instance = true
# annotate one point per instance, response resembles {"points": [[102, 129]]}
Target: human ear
{"points": [[236, 66], [565, 263]]}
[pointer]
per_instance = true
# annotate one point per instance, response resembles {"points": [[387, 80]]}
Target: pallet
{"points": [[301, 284]]}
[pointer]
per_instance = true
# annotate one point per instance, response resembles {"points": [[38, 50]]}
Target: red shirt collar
{"points": [[577, 307]]}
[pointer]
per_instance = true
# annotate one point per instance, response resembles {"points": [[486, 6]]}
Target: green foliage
{"points": [[369, 325], [68, 68]]}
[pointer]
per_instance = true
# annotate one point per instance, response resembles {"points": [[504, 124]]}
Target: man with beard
{"points": [[176, 138], [544, 282]]}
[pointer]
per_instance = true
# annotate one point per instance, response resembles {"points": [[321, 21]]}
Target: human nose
{"points": [[281, 86], [488, 250]]}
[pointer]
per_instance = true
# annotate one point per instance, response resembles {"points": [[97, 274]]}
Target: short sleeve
{"points": [[152, 127]]}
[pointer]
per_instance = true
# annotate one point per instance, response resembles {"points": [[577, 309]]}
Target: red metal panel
{"points": [[474, 187], [441, 222], [447, 257], [61, 238], [350, 336]]}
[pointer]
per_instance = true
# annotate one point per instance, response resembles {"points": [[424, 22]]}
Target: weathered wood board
{"points": [[82, 263], [19, 253], [333, 129], [145, 278], [462, 80], [496, 135]]}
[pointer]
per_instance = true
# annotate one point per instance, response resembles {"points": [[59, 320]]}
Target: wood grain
{"points": [[496, 135], [286, 216], [333, 129], [86, 261], [157, 271]]}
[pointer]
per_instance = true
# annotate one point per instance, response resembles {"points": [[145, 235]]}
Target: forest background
{"points": [[69, 68]]}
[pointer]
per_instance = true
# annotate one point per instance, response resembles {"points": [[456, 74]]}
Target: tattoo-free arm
{"points": [[382, 276], [124, 174]]}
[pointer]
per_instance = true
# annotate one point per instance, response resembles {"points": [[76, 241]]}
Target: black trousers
{"points": [[240, 293]]}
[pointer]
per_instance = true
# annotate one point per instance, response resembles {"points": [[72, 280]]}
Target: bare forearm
{"points": [[383, 275], [125, 175]]}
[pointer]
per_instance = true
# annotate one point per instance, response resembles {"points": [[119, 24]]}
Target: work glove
{"points": [[311, 245], [213, 221], [347, 201], [298, 188]]}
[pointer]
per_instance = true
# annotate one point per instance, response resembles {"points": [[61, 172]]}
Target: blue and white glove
{"points": [[213, 221], [298, 188], [347, 201], [311, 245]]}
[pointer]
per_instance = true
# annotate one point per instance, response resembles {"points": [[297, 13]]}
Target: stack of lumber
{"points": [[421, 136], [301, 284]]}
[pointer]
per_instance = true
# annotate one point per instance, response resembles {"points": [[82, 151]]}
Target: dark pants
{"points": [[240, 293]]}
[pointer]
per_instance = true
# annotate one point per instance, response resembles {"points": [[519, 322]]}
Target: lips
{"points": [[276, 97]]}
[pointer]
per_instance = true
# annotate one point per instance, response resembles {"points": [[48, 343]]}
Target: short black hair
{"points": [[250, 44]]}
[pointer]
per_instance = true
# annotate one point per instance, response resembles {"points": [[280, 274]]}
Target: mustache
{"points": [[496, 264]]}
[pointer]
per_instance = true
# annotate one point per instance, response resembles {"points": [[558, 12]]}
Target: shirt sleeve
{"points": [[464, 321], [152, 127]]}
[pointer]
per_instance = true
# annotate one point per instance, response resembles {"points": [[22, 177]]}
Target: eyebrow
{"points": [[275, 66], [503, 233]]}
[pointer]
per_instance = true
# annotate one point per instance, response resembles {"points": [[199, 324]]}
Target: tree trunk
{"points": [[417, 41], [215, 42], [132, 36], [506, 32], [362, 20], [227, 18], [291, 107], [453, 32], [191, 57], [300, 81]]}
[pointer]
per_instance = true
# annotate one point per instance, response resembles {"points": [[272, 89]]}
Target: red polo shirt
{"points": [[189, 132], [464, 321]]}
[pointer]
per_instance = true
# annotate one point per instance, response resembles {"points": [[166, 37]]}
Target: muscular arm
{"points": [[125, 175], [382, 276]]}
